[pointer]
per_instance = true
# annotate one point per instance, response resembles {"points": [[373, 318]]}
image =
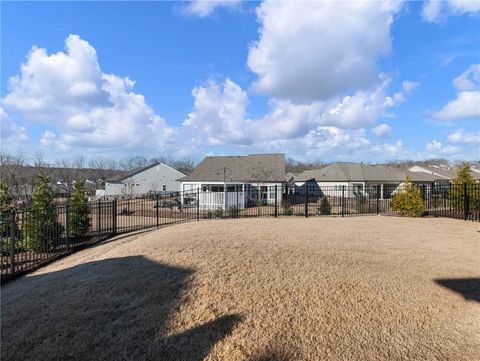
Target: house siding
{"points": [[150, 180]]}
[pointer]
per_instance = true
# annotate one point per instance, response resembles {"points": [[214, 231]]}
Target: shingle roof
{"points": [[251, 168], [357, 172], [447, 171], [124, 176]]}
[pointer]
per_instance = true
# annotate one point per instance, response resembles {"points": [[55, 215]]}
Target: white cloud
{"points": [[303, 53], [431, 10], [10, 132], [436, 147], [203, 8], [88, 107], [435, 10], [460, 136], [467, 103], [218, 116], [382, 130], [302, 130], [469, 79], [465, 106]]}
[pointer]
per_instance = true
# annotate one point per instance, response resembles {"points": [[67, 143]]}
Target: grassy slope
{"points": [[375, 288]]}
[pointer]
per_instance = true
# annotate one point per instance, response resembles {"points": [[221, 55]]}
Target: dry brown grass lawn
{"points": [[365, 288]]}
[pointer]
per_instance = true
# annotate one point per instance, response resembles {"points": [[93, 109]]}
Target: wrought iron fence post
{"points": [[157, 209], [259, 196], [378, 197], [238, 206], [13, 236], [114, 216], [99, 217], [368, 199], [67, 225], [343, 201], [286, 194], [465, 202], [276, 204], [198, 203], [306, 202]]}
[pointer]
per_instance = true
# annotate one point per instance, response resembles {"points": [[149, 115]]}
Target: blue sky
{"points": [[348, 81]]}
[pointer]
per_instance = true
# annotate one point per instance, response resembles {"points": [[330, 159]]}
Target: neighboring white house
{"points": [[155, 178], [445, 173], [235, 181], [357, 178]]}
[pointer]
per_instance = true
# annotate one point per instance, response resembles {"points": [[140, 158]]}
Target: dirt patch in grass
{"points": [[364, 288]]}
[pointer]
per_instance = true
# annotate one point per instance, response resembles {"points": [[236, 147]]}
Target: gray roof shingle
{"points": [[358, 172], [250, 168], [448, 172]]}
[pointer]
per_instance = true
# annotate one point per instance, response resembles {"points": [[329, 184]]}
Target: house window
{"points": [[357, 189], [272, 192], [164, 188], [263, 193]]}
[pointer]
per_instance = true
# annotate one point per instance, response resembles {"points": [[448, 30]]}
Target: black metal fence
{"points": [[30, 239]]}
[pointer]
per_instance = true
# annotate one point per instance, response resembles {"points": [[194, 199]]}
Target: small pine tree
{"points": [[41, 227], [464, 175], [409, 201], [78, 216], [325, 207], [457, 193]]}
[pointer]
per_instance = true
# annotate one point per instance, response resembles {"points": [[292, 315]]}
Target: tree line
{"points": [[20, 172]]}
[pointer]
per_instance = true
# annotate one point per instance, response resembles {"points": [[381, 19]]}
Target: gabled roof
{"points": [[250, 168], [122, 177], [358, 172], [446, 171]]}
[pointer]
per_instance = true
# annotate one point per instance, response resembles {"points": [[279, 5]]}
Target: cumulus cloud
{"points": [[436, 147], [469, 79], [10, 132], [382, 130], [303, 54], [88, 107], [84, 107], [218, 115], [460, 136], [435, 10], [303, 130], [467, 103], [204, 8]]}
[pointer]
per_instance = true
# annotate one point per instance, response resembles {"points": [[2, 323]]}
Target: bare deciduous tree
{"points": [[13, 172]]}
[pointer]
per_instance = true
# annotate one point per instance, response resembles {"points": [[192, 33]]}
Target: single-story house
{"points": [[154, 178], [445, 173], [357, 178], [235, 181]]}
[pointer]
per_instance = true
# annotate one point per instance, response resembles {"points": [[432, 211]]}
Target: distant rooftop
{"points": [[121, 177], [250, 168], [359, 172], [446, 171]]}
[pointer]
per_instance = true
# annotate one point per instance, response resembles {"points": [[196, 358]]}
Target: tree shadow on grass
{"points": [[112, 309], [469, 288]]}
